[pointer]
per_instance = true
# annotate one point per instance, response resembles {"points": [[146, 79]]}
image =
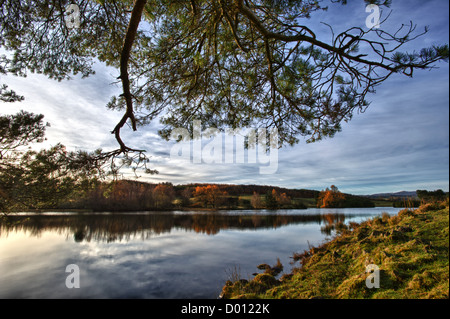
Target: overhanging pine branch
{"points": [[135, 19], [310, 39]]}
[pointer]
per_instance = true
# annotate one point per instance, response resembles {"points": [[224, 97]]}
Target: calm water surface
{"points": [[154, 254]]}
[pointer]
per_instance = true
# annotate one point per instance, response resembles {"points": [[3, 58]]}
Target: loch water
{"points": [[164, 255]]}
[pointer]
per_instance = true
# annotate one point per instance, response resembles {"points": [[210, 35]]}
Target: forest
{"points": [[132, 195]]}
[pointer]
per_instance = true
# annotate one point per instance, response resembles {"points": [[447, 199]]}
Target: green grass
{"points": [[309, 202], [382, 203], [411, 250]]}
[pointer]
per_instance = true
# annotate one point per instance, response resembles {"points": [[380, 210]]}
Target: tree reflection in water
{"points": [[124, 226]]}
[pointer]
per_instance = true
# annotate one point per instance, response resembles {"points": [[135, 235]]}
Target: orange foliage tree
{"points": [[209, 195], [331, 198], [282, 199]]}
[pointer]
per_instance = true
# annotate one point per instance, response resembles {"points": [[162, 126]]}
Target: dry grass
{"points": [[411, 250]]}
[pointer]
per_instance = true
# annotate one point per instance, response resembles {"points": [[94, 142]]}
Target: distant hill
{"points": [[401, 194]]}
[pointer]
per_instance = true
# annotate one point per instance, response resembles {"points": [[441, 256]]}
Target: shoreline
{"points": [[411, 250]]}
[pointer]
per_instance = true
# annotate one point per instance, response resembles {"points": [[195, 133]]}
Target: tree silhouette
{"points": [[37, 179], [229, 63]]}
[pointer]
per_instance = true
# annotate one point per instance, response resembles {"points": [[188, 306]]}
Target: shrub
{"points": [[406, 212], [433, 206], [385, 217]]}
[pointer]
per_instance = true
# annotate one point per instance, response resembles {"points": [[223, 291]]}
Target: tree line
{"points": [[248, 190], [132, 195]]}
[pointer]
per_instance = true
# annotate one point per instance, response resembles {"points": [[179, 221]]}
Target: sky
{"points": [[401, 142]]}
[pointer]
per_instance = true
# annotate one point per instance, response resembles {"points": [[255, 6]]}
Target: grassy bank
{"points": [[411, 250]]}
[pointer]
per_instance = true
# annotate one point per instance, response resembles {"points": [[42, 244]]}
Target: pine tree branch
{"points": [[135, 19]]}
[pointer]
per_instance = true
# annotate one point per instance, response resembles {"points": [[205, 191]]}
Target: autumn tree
{"points": [[256, 201], [281, 198], [209, 195], [275, 200], [186, 195], [119, 195], [229, 63], [163, 196], [199, 195], [331, 198]]}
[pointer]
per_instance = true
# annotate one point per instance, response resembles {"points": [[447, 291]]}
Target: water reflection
{"points": [[153, 254], [118, 227]]}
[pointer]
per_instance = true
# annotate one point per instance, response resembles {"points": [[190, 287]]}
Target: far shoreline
{"points": [[186, 209]]}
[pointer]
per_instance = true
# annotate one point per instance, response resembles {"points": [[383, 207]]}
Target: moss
{"points": [[352, 287]]}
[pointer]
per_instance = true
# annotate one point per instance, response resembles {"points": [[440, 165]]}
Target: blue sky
{"points": [[400, 143]]}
